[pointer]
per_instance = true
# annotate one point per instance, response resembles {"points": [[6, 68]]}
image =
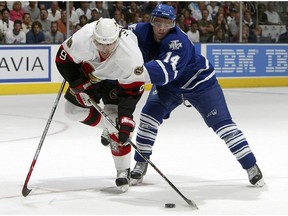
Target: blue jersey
{"points": [[173, 63]]}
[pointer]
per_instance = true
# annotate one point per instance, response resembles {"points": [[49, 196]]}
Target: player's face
{"points": [[106, 49], [161, 27]]}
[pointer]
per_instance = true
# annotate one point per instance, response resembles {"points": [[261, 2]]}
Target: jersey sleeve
{"points": [[129, 95], [130, 91], [131, 87], [71, 55], [171, 63], [70, 70]]}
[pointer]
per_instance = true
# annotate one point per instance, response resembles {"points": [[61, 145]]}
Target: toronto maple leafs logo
{"points": [[175, 45]]}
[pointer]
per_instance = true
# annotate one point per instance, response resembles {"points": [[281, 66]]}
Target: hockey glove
{"points": [[126, 126], [83, 92]]}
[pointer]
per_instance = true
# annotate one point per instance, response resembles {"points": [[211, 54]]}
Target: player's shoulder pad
{"points": [[176, 40], [132, 27]]}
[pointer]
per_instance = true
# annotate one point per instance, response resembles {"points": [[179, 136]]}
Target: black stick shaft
{"points": [[98, 108], [25, 190]]}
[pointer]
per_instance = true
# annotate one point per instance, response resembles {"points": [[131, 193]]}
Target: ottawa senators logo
{"points": [[69, 42], [138, 70], [113, 94]]}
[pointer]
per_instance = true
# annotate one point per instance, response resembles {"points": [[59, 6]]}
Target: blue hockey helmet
{"points": [[164, 11]]}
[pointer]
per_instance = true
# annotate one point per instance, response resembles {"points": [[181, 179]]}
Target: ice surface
{"points": [[75, 174]]}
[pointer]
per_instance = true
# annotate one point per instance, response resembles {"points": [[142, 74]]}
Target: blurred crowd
{"points": [[32, 22]]}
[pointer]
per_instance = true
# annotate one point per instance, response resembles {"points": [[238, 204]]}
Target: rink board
{"points": [[31, 69]]}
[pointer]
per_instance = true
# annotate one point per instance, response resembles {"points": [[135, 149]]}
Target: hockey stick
{"points": [[25, 190], [99, 109]]}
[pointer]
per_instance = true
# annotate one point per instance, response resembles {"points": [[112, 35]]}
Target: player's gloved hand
{"points": [[126, 126], [83, 92]]}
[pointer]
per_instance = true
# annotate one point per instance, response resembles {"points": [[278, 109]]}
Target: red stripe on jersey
{"points": [[87, 67], [60, 58], [134, 88], [91, 113]]}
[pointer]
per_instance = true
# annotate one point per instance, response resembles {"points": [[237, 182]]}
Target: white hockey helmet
{"points": [[106, 31]]}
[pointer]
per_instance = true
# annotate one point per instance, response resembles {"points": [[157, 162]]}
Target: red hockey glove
{"points": [[126, 126], [83, 92]]}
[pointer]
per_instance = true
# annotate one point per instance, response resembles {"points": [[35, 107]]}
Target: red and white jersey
{"points": [[125, 64]]}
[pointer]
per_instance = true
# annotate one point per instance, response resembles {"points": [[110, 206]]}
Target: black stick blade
{"points": [[25, 191]]}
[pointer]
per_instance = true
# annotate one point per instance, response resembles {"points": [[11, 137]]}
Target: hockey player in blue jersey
{"points": [[178, 75]]}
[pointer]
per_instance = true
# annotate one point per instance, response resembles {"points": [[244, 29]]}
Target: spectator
{"points": [[195, 11], [206, 27], [72, 13], [230, 16], [220, 23], [33, 10], [134, 18], [257, 35], [54, 36], [234, 27], [193, 33], [245, 34], [46, 24], [149, 7], [272, 16], [27, 22], [188, 19], [5, 24], [15, 36], [35, 35], [83, 20], [283, 38], [180, 22], [120, 18], [62, 23], [17, 11], [76, 28], [102, 12], [54, 12], [94, 16], [132, 12], [219, 36], [247, 20], [3, 4], [262, 16], [118, 6], [213, 8], [133, 8], [145, 17], [198, 9], [250, 6], [42, 5], [84, 10]]}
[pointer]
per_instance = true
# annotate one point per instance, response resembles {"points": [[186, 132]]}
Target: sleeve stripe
{"points": [[196, 75], [131, 85], [164, 71]]}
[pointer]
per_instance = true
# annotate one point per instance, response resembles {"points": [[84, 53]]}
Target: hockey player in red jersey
{"points": [[103, 61]]}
